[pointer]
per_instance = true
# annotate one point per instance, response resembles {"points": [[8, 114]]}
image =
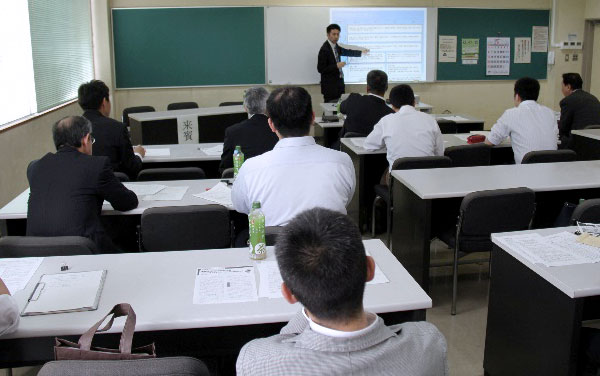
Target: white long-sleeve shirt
{"points": [[9, 314], [295, 176], [407, 133], [531, 127]]}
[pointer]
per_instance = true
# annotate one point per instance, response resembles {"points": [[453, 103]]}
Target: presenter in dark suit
{"points": [[67, 188], [330, 66], [253, 135], [578, 108], [112, 137]]}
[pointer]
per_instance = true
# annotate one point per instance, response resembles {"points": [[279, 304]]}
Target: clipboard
{"points": [[65, 292]]}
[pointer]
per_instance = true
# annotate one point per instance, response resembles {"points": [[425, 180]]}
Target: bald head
{"points": [[70, 131]]}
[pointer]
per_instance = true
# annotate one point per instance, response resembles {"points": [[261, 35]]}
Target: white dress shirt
{"points": [[295, 176], [531, 127], [407, 133], [9, 314], [371, 320]]}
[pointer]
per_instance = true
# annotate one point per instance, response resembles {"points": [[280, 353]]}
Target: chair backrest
{"points": [[135, 110], [414, 163], [179, 366], [181, 105], [588, 212], [354, 134], [498, 210], [171, 173], [271, 233], [179, 228], [447, 126], [227, 173], [223, 104], [469, 155], [121, 176], [40, 246], [549, 156], [593, 126]]}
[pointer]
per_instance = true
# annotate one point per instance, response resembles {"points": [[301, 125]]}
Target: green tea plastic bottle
{"points": [[238, 160], [256, 227]]}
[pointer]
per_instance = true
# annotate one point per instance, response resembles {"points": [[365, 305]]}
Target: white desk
{"points": [[423, 107], [159, 286], [172, 114], [586, 143], [17, 208], [546, 307], [422, 197], [183, 153]]}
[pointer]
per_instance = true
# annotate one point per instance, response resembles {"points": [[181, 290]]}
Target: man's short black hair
{"points": [[572, 79], [377, 81], [333, 27], [70, 130], [528, 88], [322, 261], [402, 95], [91, 94], [290, 110]]}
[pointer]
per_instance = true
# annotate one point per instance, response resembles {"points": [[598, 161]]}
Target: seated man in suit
{"points": [[530, 125], [67, 188], [578, 108], [406, 133], [297, 174], [9, 311], [323, 265], [364, 111], [112, 137], [253, 135]]}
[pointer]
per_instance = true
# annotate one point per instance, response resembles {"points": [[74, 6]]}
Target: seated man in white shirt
{"points": [[9, 311], [323, 265], [408, 132], [530, 125], [297, 174]]}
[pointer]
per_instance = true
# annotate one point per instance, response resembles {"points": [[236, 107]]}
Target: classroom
{"points": [[412, 275]]}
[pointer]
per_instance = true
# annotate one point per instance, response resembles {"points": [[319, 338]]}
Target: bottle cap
{"points": [[256, 205], [238, 147]]}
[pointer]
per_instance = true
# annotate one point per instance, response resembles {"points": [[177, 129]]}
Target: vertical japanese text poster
{"points": [[498, 57], [470, 50], [187, 129], [522, 50]]}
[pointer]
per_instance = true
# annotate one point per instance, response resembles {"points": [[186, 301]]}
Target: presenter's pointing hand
{"points": [[366, 51], [341, 64]]}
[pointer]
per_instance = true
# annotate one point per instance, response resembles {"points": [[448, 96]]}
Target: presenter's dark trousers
{"points": [[332, 91]]}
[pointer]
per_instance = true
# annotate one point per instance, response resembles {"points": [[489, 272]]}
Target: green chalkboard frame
{"points": [[188, 46], [483, 23]]}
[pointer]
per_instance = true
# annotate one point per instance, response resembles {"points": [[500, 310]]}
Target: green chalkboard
{"points": [[484, 23], [166, 47]]}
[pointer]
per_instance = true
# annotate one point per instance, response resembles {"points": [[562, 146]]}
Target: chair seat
{"points": [[383, 191], [468, 244]]}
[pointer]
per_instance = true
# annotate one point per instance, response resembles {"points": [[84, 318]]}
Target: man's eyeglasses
{"points": [[92, 139]]}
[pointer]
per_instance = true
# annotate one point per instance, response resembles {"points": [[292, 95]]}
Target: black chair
{"points": [[179, 228], [173, 366], [227, 173], [223, 104], [549, 156], [594, 126], [483, 213], [41, 246], [588, 212], [181, 105], [384, 192], [271, 233], [447, 126], [354, 134], [172, 173], [121, 176], [135, 110], [469, 155]]}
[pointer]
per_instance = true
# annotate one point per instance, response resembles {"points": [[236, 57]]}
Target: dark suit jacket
{"points": [[253, 135], [332, 85], [66, 194], [363, 112], [112, 141], [577, 111]]}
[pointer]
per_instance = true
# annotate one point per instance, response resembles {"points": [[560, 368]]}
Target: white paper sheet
{"points": [[379, 276], [225, 285], [522, 51], [270, 280], [18, 271], [539, 36], [357, 141], [447, 48], [216, 150], [168, 194], [453, 118], [144, 189], [220, 193], [158, 152]]}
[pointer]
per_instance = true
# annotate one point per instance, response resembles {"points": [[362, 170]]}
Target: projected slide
{"points": [[396, 38]]}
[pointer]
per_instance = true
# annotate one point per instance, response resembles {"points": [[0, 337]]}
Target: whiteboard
{"points": [[294, 37]]}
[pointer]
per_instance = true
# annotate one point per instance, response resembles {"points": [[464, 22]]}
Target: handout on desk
{"points": [[16, 272], [158, 152], [144, 189], [168, 194], [220, 193], [225, 285], [213, 150]]}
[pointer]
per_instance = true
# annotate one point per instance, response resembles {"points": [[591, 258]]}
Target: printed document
{"points": [[16, 272], [270, 280], [379, 276], [216, 150], [144, 189], [168, 194], [225, 285], [220, 193], [158, 152]]}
